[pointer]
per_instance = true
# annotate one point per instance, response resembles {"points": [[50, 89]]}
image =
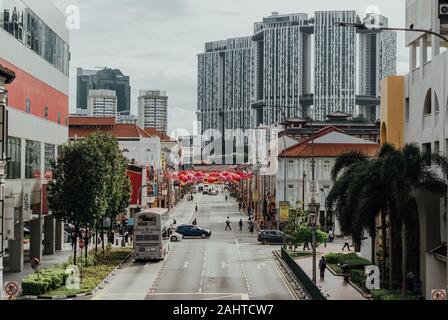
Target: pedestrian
{"points": [[228, 226], [346, 244], [126, 237], [226, 198], [331, 236], [241, 225], [195, 222], [174, 222], [196, 208], [73, 240], [240, 205], [251, 227], [306, 246], [322, 267]]}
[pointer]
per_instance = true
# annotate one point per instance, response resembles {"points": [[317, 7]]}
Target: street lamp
{"points": [[313, 224], [363, 26]]}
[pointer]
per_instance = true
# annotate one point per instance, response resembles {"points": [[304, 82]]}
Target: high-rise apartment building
{"points": [[282, 61], [153, 110], [335, 64], [277, 66], [105, 79], [224, 84], [102, 103], [377, 60]]}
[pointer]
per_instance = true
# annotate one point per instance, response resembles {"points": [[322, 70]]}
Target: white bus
{"points": [[151, 234]]}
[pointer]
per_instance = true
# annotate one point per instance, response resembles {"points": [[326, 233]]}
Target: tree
{"points": [[364, 188], [76, 191]]}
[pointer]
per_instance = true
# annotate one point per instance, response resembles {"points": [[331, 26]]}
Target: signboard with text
{"points": [[284, 211]]}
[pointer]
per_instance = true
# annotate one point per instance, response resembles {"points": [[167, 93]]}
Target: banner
{"points": [[284, 212], [27, 197]]}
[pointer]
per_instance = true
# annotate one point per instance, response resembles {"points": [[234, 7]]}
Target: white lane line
{"points": [[243, 269]]}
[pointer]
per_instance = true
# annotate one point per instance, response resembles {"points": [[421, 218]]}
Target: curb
{"points": [[293, 281], [86, 294]]}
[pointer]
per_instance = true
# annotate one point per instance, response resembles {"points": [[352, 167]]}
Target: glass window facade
{"points": [[23, 24], [50, 152], [32, 160], [14, 162]]}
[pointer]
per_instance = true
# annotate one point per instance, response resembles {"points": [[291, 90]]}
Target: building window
{"points": [[59, 118], [32, 160], [50, 150], [13, 164], [28, 105], [46, 112]]}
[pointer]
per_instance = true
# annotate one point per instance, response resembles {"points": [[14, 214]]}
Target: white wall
{"points": [[138, 151]]}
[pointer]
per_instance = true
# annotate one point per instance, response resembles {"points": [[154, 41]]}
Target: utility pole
{"points": [[6, 77]]}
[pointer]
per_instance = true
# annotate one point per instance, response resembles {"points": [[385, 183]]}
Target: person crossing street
{"points": [[228, 226]]}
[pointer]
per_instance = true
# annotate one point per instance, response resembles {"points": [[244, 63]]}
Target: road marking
{"points": [[146, 265], [186, 264], [292, 292], [261, 266], [224, 265]]}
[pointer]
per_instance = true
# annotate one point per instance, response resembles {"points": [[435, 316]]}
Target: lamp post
{"points": [[312, 223], [362, 26]]}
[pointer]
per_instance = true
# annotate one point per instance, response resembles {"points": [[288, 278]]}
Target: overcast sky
{"points": [[155, 42]]}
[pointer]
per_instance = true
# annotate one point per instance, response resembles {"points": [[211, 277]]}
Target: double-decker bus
{"points": [[151, 234]]}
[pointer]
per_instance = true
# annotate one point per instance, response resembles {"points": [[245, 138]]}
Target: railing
{"points": [[312, 290]]}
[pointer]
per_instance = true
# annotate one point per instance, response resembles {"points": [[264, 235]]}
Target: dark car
{"points": [[193, 231], [272, 236]]}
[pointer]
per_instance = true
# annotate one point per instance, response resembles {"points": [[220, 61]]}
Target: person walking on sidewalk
{"points": [[251, 227], [306, 246], [228, 226], [322, 268], [346, 244]]}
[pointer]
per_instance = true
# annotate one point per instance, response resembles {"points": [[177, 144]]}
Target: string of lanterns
{"points": [[214, 177]]}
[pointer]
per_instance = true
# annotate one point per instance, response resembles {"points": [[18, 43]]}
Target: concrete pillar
{"points": [[49, 234], [413, 57], [59, 235], [36, 239], [16, 247]]}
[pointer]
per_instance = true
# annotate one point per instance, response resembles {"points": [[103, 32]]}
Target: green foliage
{"points": [[304, 234], [359, 278], [352, 260], [43, 281], [391, 295]]}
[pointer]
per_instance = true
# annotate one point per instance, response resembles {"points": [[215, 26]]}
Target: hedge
{"points": [[391, 295], [43, 281], [352, 260]]}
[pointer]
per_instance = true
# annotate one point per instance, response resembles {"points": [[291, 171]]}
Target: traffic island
{"points": [[50, 284]]}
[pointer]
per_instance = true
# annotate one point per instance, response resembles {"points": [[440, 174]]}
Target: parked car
{"points": [[272, 236], [214, 192], [193, 231]]}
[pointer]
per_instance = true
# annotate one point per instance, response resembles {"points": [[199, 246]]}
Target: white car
{"points": [[174, 236]]}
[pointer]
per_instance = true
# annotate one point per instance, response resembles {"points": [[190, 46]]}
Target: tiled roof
{"points": [[329, 150], [91, 121], [118, 130], [307, 148], [156, 133]]}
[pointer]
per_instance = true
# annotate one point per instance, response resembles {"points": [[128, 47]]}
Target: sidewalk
{"points": [[333, 286]]}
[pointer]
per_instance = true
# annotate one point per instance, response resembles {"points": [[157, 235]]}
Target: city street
{"points": [[231, 265]]}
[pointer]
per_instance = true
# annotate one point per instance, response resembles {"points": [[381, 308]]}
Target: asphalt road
{"points": [[231, 265]]}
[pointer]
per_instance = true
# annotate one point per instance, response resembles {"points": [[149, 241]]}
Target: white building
{"points": [[415, 110], [295, 171], [102, 103], [153, 110]]}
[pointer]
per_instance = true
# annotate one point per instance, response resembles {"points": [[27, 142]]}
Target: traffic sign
{"points": [[81, 244], [12, 288], [438, 294]]}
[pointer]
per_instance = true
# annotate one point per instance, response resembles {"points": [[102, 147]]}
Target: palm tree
{"points": [[365, 188]]}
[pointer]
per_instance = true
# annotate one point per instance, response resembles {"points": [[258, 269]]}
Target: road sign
{"points": [[130, 222], [438, 294], [12, 288], [81, 244]]}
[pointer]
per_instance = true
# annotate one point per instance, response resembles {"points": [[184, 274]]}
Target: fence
{"points": [[312, 290]]}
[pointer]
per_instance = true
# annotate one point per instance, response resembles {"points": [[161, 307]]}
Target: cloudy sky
{"points": [[155, 42]]}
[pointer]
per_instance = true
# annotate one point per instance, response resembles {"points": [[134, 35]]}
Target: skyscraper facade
{"points": [[105, 79], [377, 60], [102, 103], [225, 76], [153, 110], [276, 65], [335, 64], [282, 62]]}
